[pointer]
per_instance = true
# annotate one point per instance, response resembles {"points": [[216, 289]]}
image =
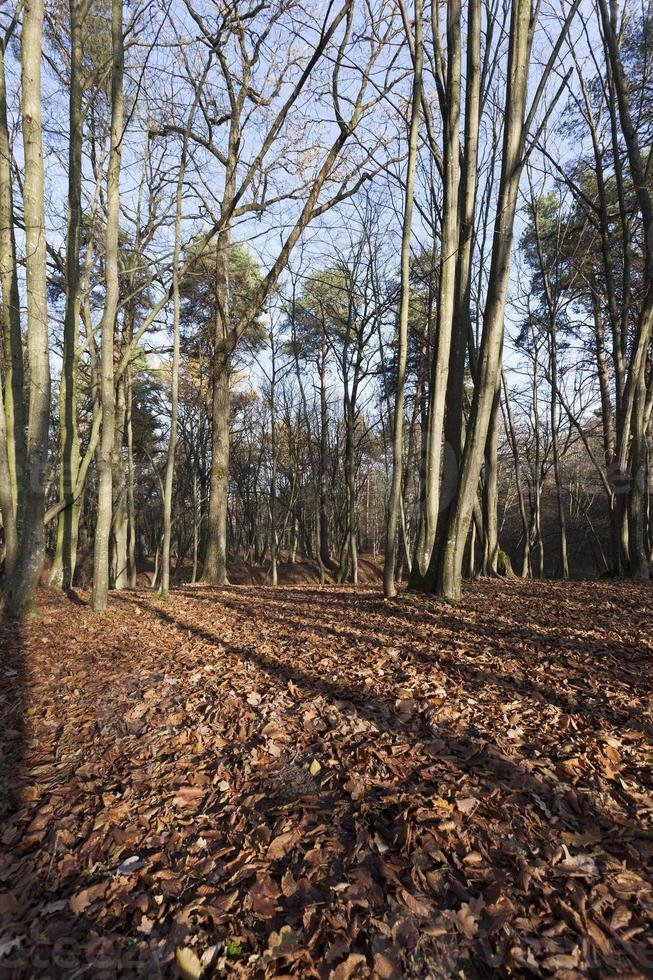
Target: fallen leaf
{"points": [[282, 943], [81, 901], [466, 804], [188, 963], [347, 969]]}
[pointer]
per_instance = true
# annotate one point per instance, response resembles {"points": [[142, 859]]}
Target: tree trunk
{"points": [[196, 527], [6, 501], [639, 566], [512, 435], [446, 292], [490, 492], [389, 585], [350, 480], [12, 341], [462, 326], [562, 520], [324, 459], [174, 393], [119, 520], [107, 394], [132, 574], [63, 567], [489, 365], [31, 503], [273, 479], [629, 439], [14, 393], [215, 562]]}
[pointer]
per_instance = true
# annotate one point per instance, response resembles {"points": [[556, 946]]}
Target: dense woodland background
{"points": [[295, 282]]}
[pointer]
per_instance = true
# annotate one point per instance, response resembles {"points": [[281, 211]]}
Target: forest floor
{"points": [[315, 783]]}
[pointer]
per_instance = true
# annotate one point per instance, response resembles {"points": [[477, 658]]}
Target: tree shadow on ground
{"points": [[66, 945], [475, 760], [519, 643]]}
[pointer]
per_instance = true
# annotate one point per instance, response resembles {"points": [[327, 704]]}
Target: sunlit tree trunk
{"points": [[489, 362], [389, 585], [273, 474], [512, 437], [215, 562], [119, 518], [10, 312], [131, 506], [31, 502], [6, 500], [63, 566], [14, 397], [107, 394], [461, 332], [491, 492], [553, 414], [174, 381], [630, 438], [323, 519], [639, 564], [446, 292]]}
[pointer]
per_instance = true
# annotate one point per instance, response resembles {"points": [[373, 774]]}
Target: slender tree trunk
{"points": [[350, 480], [31, 503], [512, 436], [107, 394], [639, 567], [629, 440], [490, 492], [607, 420], [14, 393], [174, 393], [196, 526], [63, 566], [132, 574], [489, 365], [215, 563], [462, 325], [273, 479], [389, 585], [538, 541], [446, 292], [324, 458], [119, 519], [6, 500], [155, 573], [12, 342], [553, 410], [471, 555], [10, 312]]}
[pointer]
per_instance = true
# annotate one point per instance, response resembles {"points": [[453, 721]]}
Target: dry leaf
{"points": [[188, 964], [350, 967]]}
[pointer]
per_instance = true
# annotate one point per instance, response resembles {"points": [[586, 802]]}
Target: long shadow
{"points": [[58, 947], [471, 756], [40, 934], [12, 716], [502, 638], [445, 750], [13, 747]]}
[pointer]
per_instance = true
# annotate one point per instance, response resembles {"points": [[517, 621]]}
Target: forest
{"points": [[326, 488]]}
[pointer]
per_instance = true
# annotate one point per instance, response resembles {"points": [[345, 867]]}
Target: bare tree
{"points": [[107, 326], [31, 502], [416, 44]]}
